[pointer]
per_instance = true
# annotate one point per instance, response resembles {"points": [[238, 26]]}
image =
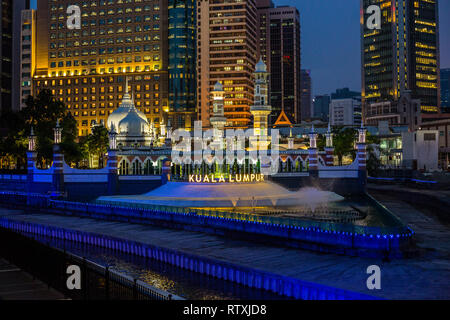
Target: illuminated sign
{"points": [[232, 178]]}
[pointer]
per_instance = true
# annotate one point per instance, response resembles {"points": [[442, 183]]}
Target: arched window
{"points": [[289, 165], [123, 168], [148, 168], [159, 169], [235, 167], [298, 166], [137, 168]]}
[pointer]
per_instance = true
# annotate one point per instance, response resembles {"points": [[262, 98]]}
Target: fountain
{"points": [[230, 195]]}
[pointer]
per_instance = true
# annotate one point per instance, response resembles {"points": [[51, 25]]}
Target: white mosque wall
{"points": [[80, 175]]}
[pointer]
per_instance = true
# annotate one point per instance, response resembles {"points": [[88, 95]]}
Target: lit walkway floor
{"points": [[16, 284], [425, 277]]}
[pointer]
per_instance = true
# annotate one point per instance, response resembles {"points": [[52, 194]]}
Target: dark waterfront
{"points": [[177, 281]]}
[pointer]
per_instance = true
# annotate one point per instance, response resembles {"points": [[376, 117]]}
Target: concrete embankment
{"points": [[245, 263], [296, 273]]}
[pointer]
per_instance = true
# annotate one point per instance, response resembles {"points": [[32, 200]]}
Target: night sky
{"points": [[331, 41]]}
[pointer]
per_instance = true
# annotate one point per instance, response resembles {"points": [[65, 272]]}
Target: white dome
{"points": [[133, 124], [122, 111], [261, 66]]}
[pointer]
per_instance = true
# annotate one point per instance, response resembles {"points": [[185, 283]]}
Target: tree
{"points": [[96, 144], [13, 143], [343, 141], [321, 142], [41, 113], [69, 146], [13, 152]]}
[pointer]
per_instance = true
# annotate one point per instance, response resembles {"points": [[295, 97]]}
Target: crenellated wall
{"points": [[139, 171]]}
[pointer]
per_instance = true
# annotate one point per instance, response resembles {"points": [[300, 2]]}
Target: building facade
{"points": [[321, 106], [263, 10], [87, 68], [27, 55], [445, 90], [442, 127], [403, 54], [345, 93], [279, 42], [345, 112], [182, 62], [226, 52], [305, 96], [403, 112], [10, 41]]}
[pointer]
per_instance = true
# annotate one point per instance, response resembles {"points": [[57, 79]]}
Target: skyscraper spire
{"points": [[126, 85]]}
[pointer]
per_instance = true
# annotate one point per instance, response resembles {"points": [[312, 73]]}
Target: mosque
{"points": [[141, 149], [143, 171], [141, 157], [132, 129]]}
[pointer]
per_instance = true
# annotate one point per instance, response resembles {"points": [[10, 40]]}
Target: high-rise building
{"points": [[263, 11], [322, 107], [403, 54], [10, 22], [226, 52], [182, 62], [306, 99], [445, 90], [279, 42], [87, 68], [345, 93], [345, 112], [27, 54], [403, 112]]}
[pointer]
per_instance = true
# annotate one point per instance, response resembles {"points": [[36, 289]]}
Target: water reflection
{"points": [[189, 285]]}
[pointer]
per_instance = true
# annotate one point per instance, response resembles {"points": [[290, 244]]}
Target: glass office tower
{"points": [[279, 37], [182, 62], [445, 90], [403, 55], [10, 40]]}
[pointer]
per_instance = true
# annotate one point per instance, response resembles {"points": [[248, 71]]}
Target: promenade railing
{"points": [[49, 264]]}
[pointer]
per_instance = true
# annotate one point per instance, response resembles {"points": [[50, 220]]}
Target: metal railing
{"points": [[50, 265], [230, 216]]}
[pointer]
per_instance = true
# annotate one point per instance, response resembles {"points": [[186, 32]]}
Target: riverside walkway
{"points": [[15, 284], [424, 277]]}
